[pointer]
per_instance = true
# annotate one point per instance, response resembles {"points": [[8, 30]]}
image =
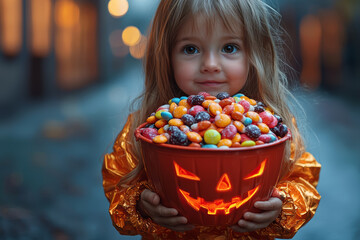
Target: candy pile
{"points": [[219, 121]]}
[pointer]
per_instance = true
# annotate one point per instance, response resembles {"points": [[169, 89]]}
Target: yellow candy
{"points": [[212, 137], [248, 143]]}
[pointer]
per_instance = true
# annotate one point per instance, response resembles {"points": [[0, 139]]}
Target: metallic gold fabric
{"points": [[298, 187]]}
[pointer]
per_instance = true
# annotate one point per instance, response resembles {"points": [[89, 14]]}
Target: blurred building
{"points": [[50, 48]]}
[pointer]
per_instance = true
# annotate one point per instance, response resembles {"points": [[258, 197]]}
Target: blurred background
{"points": [[69, 70]]}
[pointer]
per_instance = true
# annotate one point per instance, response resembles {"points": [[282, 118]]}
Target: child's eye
{"points": [[190, 50], [230, 48]]}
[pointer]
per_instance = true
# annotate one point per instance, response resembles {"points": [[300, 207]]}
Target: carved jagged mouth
{"points": [[219, 204]]}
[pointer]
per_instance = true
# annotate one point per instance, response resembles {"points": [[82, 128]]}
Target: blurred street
{"points": [[51, 156]]}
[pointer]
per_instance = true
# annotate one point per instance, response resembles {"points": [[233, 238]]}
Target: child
{"points": [[210, 46]]}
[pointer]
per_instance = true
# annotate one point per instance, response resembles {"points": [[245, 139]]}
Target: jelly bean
{"points": [[210, 98], [160, 139], [244, 138], [266, 138], [179, 138], [188, 119], [189, 99], [184, 103], [209, 146], [273, 123], [212, 137], [237, 99], [226, 101], [194, 137], [246, 121], [172, 107], [222, 120], [175, 100], [158, 113], [239, 126], [195, 109], [263, 127], [166, 115], [195, 145], [160, 123], [149, 133], [206, 103], [173, 129], [197, 100], [253, 116], [245, 104], [229, 132], [266, 117], [151, 119], [202, 116], [252, 102], [258, 142], [214, 109], [161, 130], [175, 122], [239, 108], [222, 95], [183, 98], [259, 109], [225, 142], [253, 132], [237, 116], [223, 147], [184, 128], [179, 111], [236, 145], [248, 143], [280, 130], [201, 125], [229, 109], [272, 138], [236, 138]]}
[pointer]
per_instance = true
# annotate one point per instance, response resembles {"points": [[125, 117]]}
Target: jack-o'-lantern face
{"points": [[223, 185]]}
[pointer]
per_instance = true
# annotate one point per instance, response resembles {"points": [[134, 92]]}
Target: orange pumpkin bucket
{"points": [[212, 187]]}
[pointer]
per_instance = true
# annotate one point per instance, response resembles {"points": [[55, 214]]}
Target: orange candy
{"points": [[253, 116], [172, 107], [160, 139], [237, 138], [222, 120], [225, 142], [263, 128], [179, 111], [160, 123], [151, 119], [184, 103], [175, 122], [214, 109], [239, 126], [194, 137]]}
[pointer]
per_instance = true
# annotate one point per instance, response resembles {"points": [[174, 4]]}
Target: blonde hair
{"points": [[259, 23]]}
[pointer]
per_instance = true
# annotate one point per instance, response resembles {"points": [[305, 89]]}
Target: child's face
{"points": [[211, 61]]}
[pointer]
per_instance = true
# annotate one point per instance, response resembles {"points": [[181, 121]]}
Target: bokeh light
{"points": [[131, 36], [138, 51], [118, 8], [67, 13]]}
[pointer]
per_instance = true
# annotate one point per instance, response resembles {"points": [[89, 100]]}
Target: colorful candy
{"points": [[221, 121]]}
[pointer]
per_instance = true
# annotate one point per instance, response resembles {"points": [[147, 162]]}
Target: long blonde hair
{"points": [[267, 81]]}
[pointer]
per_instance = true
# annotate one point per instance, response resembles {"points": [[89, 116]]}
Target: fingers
{"points": [[150, 197], [272, 204]]}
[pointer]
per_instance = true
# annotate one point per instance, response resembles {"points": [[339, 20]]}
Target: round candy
{"points": [[222, 120], [188, 119], [212, 137], [253, 131], [222, 95], [166, 115]]}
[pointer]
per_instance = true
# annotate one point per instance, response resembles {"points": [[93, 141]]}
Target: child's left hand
{"points": [[270, 210]]}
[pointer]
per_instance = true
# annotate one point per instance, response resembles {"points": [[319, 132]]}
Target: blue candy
{"points": [[166, 115], [209, 146]]}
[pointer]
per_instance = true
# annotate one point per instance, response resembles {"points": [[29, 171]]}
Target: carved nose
{"points": [[224, 183]]}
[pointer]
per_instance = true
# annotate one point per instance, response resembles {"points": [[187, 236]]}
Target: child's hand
{"points": [[270, 210], [149, 205]]}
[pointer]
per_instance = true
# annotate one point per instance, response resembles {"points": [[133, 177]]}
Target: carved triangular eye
{"points": [[258, 171], [181, 172], [224, 183]]}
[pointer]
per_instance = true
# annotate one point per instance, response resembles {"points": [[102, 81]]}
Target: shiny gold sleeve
{"points": [[123, 198], [301, 201]]}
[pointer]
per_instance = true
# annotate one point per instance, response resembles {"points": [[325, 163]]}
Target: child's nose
{"points": [[210, 63]]}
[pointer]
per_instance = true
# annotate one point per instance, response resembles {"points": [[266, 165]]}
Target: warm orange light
{"points": [[258, 171], [11, 17], [224, 183], [218, 205], [131, 36], [118, 8], [138, 51], [67, 13], [180, 172], [40, 27]]}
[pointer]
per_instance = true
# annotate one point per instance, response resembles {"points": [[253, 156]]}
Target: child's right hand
{"points": [[150, 206]]}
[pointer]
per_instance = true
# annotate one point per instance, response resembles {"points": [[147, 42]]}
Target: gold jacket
{"points": [[299, 206]]}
